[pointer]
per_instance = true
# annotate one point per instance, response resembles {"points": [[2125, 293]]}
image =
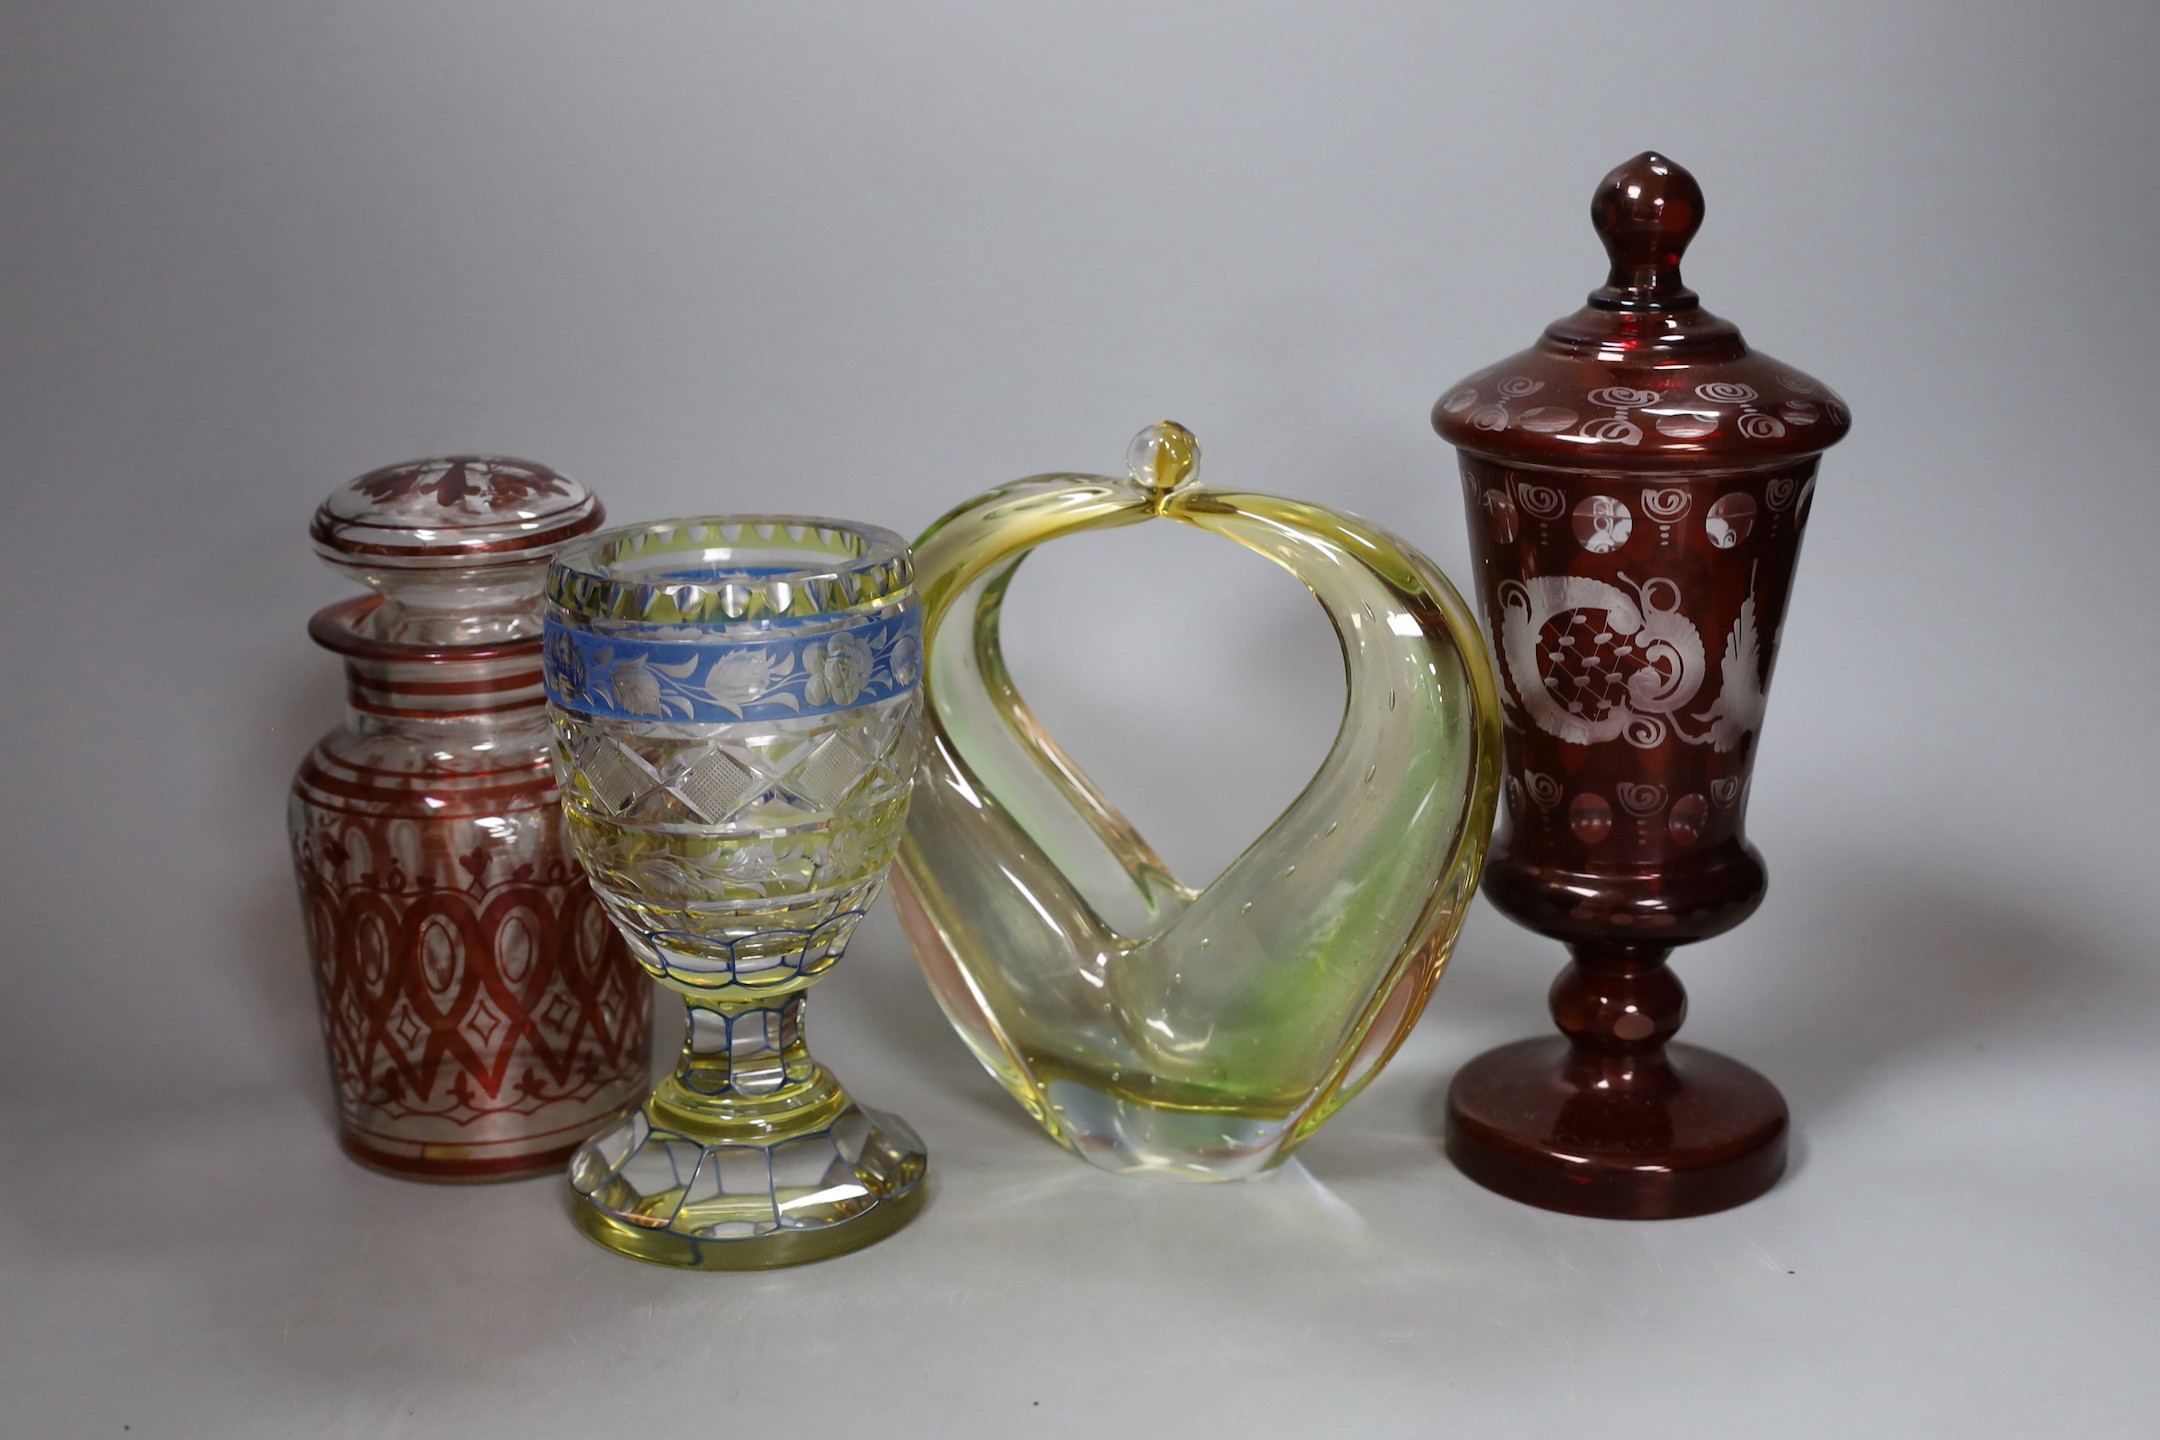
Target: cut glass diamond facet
{"points": [[615, 778], [829, 773], [717, 784]]}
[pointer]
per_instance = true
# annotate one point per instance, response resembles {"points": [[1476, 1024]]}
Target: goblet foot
{"points": [[1684, 1132], [748, 1196]]}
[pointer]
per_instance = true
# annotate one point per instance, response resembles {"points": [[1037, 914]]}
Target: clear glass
{"points": [[1146, 1026], [735, 702]]}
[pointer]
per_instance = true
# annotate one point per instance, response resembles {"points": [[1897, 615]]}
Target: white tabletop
{"points": [[1964, 1245]]}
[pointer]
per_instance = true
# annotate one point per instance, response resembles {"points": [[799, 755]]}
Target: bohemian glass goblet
{"points": [[735, 703], [1638, 482]]}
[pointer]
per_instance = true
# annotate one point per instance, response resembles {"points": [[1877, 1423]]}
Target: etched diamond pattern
{"points": [[1586, 665]]}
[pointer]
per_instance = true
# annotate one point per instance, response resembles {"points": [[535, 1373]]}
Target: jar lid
{"points": [[1642, 378], [461, 511], [458, 546]]}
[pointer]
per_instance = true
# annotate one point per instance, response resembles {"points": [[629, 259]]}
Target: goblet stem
{"points": [[737, 1053], [748, 1155], [1615, 1119], [1618, 1004]]}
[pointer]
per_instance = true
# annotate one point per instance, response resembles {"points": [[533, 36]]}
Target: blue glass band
{"points": [[726, 681]]}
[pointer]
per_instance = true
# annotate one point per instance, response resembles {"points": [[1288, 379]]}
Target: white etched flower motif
{"points": [[846, 851], [906, 660], [753, 862], [565, 665], [739, 677], [636, 687], [846, 667]]}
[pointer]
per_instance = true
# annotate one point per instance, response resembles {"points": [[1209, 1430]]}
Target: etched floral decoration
{"points": [[470, 484], [660, 674]]}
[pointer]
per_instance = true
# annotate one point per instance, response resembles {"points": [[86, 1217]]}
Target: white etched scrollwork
{"points": [[1616, 428], [1665, 504], [1725, 392], [1617, 666], [1539, 502], [1757, 426]]}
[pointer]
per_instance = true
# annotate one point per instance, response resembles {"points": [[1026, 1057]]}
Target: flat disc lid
{"points": [[453, 511]]}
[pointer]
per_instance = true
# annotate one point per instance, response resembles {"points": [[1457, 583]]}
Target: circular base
{"points": [[730, 1198], [1702, 1134], [765, 1252]]}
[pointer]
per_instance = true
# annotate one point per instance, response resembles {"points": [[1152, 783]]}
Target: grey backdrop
{"points": [[868, 259]]}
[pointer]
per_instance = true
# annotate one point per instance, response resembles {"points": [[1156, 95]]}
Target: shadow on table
{"points": [[266, 940], [1900, 970]]}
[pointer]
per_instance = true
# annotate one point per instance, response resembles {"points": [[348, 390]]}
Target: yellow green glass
{"points": [[734, 702], [1147, 1026]]}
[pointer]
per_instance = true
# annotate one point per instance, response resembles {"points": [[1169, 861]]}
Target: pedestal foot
{"points": [[1612, 1117], [663, 1197], [749, 1156], [1702, 1134]]}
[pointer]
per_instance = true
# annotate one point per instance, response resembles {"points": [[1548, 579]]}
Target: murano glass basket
{"points": [[1147, 1026]]}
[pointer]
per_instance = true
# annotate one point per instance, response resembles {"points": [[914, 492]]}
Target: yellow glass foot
{"points": [[722, 1187], [769, 1251]]}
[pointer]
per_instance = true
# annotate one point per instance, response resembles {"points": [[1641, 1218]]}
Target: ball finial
{"points": [[1163, 457], [1646, 211]]}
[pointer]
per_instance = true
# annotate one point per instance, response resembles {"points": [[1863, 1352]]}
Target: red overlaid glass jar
{"points": [[481, 1014]]}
